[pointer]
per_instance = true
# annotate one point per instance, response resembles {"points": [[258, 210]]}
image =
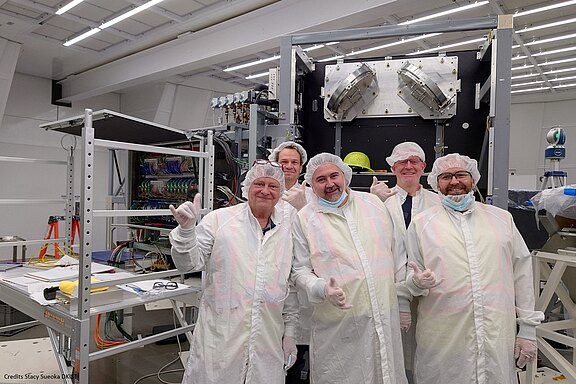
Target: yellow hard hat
{"points": [[358, 160]]}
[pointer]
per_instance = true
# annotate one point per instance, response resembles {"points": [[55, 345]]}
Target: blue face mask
{"points": [[459, 202], [333, 204]]}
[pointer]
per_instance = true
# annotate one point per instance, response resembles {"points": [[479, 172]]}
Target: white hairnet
{"points": [[324, 158], [404, 151], [263, 170], [289, 144], [453, 160]]}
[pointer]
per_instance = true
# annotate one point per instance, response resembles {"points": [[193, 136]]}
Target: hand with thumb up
{"points": [[335, 295], [424, 279], [380, 189], [296, 196], [187, 213]]}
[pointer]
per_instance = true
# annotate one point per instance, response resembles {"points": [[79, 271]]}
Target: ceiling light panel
{"points": [[546, 8], [68, 6]]}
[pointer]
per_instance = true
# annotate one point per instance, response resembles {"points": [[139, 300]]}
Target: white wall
{"points": [[20, 136], [529, 123]]}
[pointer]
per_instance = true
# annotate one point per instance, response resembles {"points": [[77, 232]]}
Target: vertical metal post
{"points": [[287, 83], [439, 144], [255, 122], [338, 139], [70, 198], [500, 99], [110, 199], [209, 172], [82, 336]]}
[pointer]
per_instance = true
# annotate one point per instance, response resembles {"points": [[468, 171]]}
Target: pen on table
{"points": [[135, 288]]}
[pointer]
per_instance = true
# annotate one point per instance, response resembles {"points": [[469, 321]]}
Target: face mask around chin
{"points": [[333, 204], [458, 202]]}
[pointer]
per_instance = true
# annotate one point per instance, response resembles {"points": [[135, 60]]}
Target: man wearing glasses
{"points": [[344, 260], [476, 285], [406, 199], [247, 315]]}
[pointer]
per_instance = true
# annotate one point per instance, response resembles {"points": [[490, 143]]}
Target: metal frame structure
{"points": [[551, 268], [294, 61], [70, 334]]}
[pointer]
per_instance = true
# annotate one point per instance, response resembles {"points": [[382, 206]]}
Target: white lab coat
{"points": [[467, 325], [355, 245], [246, 307], [302, 331], [422, 200]]}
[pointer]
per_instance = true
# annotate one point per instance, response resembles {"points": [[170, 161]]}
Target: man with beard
{"points": [[344, 260], [479, 275]]}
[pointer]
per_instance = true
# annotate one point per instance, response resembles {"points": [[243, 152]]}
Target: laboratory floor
{"points": [[129, 367]]}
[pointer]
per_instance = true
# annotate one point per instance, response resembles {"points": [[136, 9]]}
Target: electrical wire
{"points": [[233, 163], [100, 342], [161, 371]]}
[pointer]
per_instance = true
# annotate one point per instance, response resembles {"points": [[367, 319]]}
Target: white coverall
{"points": [[467, 325], [302, 332], [355, 245], [422, 200], [246, 307]]}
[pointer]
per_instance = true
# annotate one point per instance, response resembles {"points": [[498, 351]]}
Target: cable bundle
{"points": [[108, 340]]}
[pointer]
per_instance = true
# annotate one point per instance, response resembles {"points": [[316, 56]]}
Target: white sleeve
{"points": [[290, 312], [527, 317], [302, 275]]}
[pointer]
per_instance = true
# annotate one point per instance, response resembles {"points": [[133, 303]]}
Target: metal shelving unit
{"points": [[70, 334]]}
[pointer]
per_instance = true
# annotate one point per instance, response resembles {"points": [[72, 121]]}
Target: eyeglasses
{"points": [[266, 162], [411, 161], [460, 175], [171, 285]]}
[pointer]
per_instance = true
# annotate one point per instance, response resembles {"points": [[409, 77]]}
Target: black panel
{"points": [[109, 125], [57, 95], [376, 137]]}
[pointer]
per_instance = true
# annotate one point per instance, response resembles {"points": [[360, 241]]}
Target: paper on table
{"points": [[66, 273], [146, 286], [29, 284], [113, 276]]}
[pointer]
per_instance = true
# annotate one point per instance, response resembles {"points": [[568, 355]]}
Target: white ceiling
{"points": [[186, 40]]}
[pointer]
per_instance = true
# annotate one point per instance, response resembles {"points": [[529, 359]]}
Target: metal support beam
{"points": [[500, 99]]}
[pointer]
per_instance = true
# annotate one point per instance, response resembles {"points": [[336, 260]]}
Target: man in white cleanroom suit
{"points": [[245, 328], [292, 156], [344, 260], [406, 199], [479, 272]]}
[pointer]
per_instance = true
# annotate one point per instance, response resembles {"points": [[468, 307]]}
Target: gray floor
{"points": [[128, 367]]}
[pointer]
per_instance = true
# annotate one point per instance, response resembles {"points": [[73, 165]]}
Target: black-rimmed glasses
{"points": [[460, 175], [171, 285]]}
